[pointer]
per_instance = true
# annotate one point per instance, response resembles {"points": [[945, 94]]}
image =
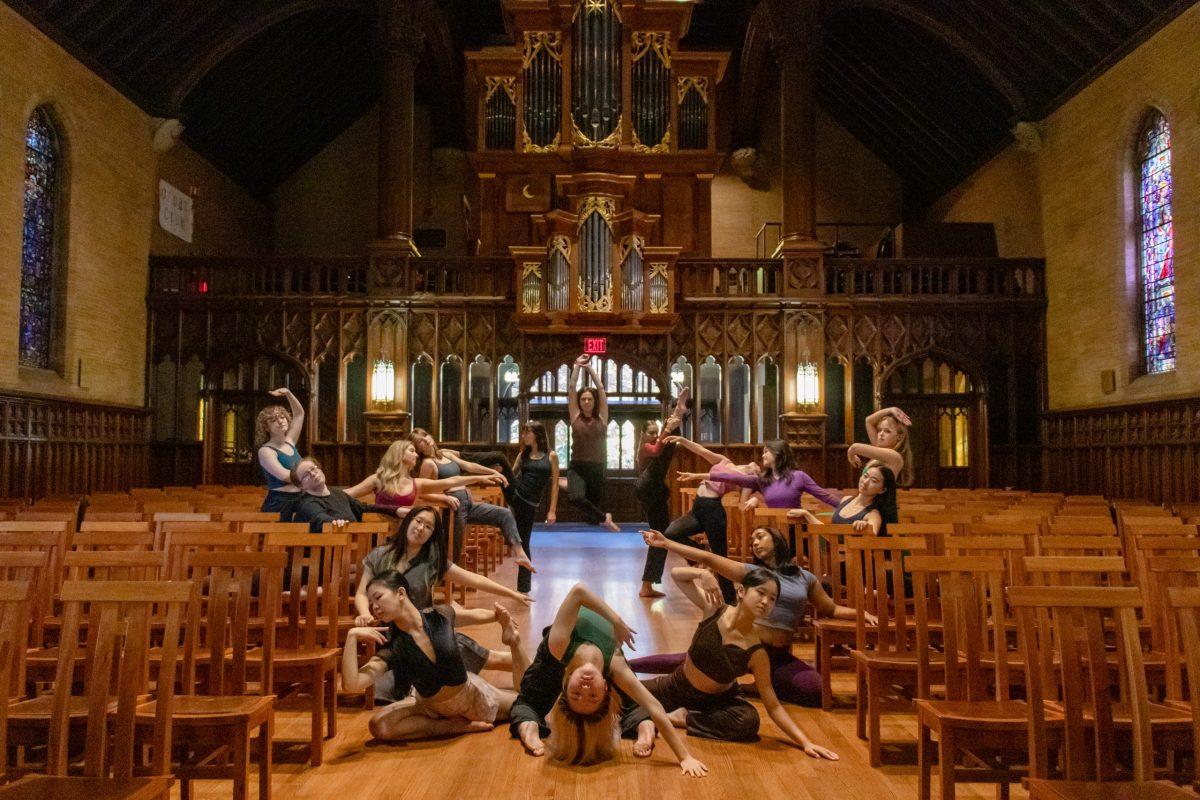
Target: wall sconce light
{"points": [[807, 384], [383, 383]]}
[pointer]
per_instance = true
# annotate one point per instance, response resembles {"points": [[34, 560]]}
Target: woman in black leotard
{"points": [[702, 694]]}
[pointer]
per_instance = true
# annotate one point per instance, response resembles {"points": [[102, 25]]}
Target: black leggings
{"points": [[708, 517], [588, 491], [524, 514], [725, 715]]}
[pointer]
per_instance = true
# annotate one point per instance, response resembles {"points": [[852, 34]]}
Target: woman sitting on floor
{"points": [[570, 691], [421, 650], [703, 693]]}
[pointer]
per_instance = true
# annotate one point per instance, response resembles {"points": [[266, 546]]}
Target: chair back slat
{"points": [[179, 544], [1011, 548], [1185, 603], [30, 566], [877, 586], [827, 557], [314, 585], [15, 599], [1065, 625], [119, 615], [113, 540], [1074, 570], [1166, 573], [1079, 545], [114, 565]]}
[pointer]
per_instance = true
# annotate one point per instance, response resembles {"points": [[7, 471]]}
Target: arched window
{"points": [[451, 399], [1156, 245], [508, 426], [710, 400], [40, 279]]}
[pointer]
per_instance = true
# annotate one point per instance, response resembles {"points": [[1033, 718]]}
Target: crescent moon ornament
{"points": [[528, 195]]}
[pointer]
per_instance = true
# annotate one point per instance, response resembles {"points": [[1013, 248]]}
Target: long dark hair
{"points": [[434, 549], [759, 576], [595, 401], [393, 580], [539, 435], [782, 470], [785, 561], [412, 437], [885, 501]]}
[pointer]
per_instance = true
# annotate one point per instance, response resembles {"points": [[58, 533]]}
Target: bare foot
{"points": [[644, 745], [510, 634], [648, 590], [531, 739], [681, 409], [479, 727], [608, 523], [678, 717], [523, 561]]}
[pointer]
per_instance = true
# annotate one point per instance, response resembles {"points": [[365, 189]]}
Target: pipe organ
{"points": [[594, 152]]}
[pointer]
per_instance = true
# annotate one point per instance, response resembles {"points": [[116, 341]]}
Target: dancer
{"points": [[873, 508], [703, 693], [420, 649], [318, 503], [418, 552], [276, 431], [394, 486], [536, 468], [654, 459], [437, 464], [571, 681], [781, 484], [588, 410], [707, 516], [888, 431], [794, 681]]}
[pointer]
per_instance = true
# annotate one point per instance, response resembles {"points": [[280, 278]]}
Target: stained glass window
{"points": [[1156, 247], [37, 245]]}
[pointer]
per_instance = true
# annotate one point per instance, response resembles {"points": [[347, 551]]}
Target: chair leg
{"points": [[241, 764], [860, 703], [825, 665], [947, 758], [316, 740], [266, 758], [874, 703], [331, 703], [924, 761], [185, 789]]}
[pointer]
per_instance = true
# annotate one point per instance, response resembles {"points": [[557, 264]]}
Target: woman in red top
{"points": [[588, 409]]}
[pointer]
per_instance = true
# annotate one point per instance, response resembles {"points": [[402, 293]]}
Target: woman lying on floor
{"points": [[703, 692], [421, 650], [572, 690]]}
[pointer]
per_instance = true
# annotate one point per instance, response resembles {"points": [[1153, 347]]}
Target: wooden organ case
{"points": [[594, 153]]}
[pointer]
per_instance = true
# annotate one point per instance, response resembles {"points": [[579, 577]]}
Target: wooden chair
{"points": [[17, 550], [1075, 570], [1079, 545], [110, 516], [217, 725], [1184, 603], [15, 534], [1012, 549], [119, 615], [309, 651], [113, 540], [179, 545], [877, 586], [981, 731], [827, 560], [261, 530], [1168, 573], [1064, 626], [15, 599]]}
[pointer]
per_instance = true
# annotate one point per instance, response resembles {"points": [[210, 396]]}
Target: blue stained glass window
{"points": [[38, 263], [1156, 247]]}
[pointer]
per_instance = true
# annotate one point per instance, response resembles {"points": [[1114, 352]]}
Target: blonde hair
{"points": [[262, 424], [583, 739], [905, 477], [391, 466]]}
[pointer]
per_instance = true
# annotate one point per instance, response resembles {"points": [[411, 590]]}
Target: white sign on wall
{"points": [[174, 211]]}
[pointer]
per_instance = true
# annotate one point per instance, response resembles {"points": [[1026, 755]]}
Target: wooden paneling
{"points": [[1149, 450], [52, 446]]}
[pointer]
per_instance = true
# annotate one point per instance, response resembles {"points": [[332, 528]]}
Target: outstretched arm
{"points": [[459, 575], [725, 567], [579, 597], [859, 454], [573, 392], [426, 486], [760, 667], [366, 486], [471, 468], [465, 617], [628, 683], [297, 411], [700, 450], [699, 586]]}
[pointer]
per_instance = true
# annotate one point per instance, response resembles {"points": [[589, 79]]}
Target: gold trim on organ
{"points": [[508, 84], [645, 41], [689, 82], [605, 205]]}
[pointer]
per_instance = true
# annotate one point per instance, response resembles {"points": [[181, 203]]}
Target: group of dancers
{"points": [[579, 694]]}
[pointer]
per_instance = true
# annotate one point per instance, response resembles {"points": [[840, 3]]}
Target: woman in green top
{"points": [[567, 692]]}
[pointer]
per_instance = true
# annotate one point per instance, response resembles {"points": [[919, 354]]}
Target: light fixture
{"points": [[383, 383], [807, 384]]}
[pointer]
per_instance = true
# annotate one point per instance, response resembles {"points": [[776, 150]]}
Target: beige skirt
{"points": [[478, 701]]}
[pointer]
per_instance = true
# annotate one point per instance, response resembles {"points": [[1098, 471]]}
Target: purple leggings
{"points": [[794, 681]]}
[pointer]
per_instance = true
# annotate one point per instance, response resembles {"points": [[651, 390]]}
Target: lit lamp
{"points": [[383, 383], [807, 384]]}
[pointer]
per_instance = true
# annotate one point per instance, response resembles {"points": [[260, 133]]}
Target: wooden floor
{"points": [[491, 765]]}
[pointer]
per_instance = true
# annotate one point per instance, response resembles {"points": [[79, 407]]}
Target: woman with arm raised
{"points": [[588, 411], [276, 431]]}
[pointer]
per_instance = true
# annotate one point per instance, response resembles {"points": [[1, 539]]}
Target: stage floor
{"points": [[491, 765]]}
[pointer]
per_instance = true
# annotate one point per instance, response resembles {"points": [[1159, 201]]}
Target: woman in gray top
{"points": [[794, 681]]}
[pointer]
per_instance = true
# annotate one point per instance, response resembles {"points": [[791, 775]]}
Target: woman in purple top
{"points": [[781, 485], [588, 409]]}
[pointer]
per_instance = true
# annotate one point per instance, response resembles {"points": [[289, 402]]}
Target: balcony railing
{"points": [[730, 277], [245, 277], [917, 277]]}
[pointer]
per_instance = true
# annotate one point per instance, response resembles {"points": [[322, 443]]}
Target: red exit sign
{"points": [[595, 345]]}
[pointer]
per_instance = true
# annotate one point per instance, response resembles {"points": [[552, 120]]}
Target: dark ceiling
{"points": [[931, 86]]}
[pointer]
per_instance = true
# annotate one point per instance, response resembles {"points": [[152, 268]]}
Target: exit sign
{"points": [[595, 345]]}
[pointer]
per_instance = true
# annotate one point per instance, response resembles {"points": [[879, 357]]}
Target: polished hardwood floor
{"points": [[491, 765]]}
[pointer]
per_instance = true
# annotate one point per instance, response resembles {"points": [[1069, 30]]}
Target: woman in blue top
{"points": [[276, 432]]}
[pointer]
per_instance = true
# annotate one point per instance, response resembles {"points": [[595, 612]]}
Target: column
{"points": [[402, 41]]}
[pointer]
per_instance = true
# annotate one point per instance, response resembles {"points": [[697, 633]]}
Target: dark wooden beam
{"points": [[754, 70]]}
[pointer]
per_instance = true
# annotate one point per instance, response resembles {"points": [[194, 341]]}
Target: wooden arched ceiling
{"points": [[931, 86]]}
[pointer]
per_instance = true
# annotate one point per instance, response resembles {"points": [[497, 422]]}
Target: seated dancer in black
{"points": [[319, 503], [703, 694], [568, 690], [421, 649], [870, 510]]}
